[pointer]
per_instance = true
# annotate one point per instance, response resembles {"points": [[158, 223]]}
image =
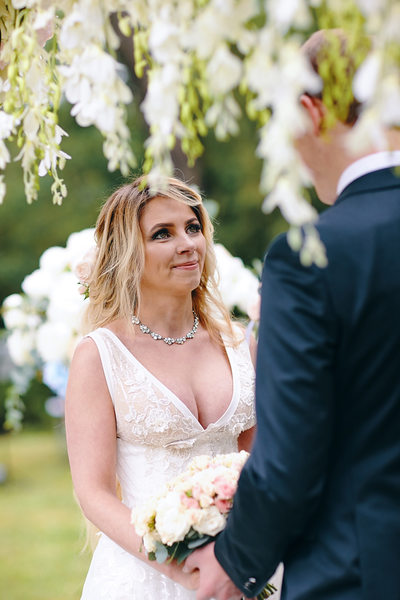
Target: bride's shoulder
{"points": [[86, 351]]}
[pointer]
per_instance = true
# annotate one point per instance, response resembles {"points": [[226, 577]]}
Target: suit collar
{"points": [[377, 180], [367, 164]]}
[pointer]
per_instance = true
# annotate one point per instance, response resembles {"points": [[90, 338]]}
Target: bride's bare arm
{"points": [[91, 441]]}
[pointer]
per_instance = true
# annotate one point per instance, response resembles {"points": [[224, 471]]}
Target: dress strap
{"points": [[100, 338], [249, 330]]}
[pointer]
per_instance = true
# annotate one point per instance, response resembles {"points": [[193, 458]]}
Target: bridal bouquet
{"points": [[191, 510]]}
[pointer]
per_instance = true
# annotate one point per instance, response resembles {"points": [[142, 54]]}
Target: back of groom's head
{"points": [[335, 57]]}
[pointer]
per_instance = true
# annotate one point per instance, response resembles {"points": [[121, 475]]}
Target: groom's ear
{"points": [[316, 111]]}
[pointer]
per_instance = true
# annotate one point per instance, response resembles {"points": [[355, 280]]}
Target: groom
{"points": [[321, 489]]}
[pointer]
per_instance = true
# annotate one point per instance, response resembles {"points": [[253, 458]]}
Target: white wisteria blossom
{"points": [[198, 57], [224, 71]]}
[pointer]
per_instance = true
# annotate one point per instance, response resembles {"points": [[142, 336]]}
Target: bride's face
{"points": [[174, 246]]}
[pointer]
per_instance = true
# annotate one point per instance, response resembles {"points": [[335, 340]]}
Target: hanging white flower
{"points": [[161, 105], [84, 23], [93, 86], [7, 123], [198, 57], [366, 78], [223, 71], [164, 40], [293, 206]]}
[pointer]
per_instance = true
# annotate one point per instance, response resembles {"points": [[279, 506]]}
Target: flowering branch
{"points": [[199, 57]]}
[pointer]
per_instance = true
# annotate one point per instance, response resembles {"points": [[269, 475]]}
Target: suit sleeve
{"points": [[281, 484]]}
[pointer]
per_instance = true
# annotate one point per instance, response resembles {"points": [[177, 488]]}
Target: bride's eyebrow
{"points": [[160, 226], [166, 225]]}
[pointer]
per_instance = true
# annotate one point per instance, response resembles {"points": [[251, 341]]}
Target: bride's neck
{"points": [[168, 316]]}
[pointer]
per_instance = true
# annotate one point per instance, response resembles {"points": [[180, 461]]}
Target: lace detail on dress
{"points": [[149, 413], [157, 438]]}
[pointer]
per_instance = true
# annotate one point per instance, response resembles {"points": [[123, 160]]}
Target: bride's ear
{"points": [[315, 110]]}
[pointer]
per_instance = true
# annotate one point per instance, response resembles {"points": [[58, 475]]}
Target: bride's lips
{"points": [[188, 266]]}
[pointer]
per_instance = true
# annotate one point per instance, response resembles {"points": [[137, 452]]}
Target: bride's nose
{"points": [[185, 243]]}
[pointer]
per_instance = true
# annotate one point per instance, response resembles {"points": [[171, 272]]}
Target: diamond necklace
{"points": [[167, 340]]}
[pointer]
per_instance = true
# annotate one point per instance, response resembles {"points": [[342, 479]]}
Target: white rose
{"points": [[13, 314], [13, 301], [20, 346], [53, 341], [78, 243], [143, 515], [237, 284], [54, 260], [211, 521], [38, 284], [65, 302], [200, 462], [173, 521], [150, 540], [14, 318]]}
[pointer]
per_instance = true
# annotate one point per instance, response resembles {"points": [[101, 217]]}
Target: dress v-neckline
{"points": [[177, 402]]}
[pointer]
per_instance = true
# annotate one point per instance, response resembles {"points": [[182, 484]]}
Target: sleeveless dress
{"points": [[157, 436]]}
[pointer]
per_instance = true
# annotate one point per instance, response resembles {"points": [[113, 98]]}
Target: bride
{"points": [[163, 375]]}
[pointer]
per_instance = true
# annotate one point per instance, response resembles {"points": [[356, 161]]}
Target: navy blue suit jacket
{"points": [[321, 490]]}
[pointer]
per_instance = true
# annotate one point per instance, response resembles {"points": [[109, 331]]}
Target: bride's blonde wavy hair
{"points": [[115, 281]]}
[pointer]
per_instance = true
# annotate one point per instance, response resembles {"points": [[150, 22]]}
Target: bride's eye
{"points": [[194, 228], [161, 234]]}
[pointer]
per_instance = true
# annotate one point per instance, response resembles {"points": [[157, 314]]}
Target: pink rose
{"points": [[224, 489], [82, 288], [224, 506], [189, 502], [84, 268]]}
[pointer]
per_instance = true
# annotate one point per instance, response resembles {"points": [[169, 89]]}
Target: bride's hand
{"points": [[188, 580]]}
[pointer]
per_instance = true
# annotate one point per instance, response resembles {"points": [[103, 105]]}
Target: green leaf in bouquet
{"points": [[161, 553], [182, 553], [192, 534], [200, 541]]}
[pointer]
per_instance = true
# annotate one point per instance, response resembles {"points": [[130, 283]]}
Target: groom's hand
{"points": [[213, 582]]}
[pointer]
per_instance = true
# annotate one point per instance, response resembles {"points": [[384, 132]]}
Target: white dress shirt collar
{"points": [[367, 164]]}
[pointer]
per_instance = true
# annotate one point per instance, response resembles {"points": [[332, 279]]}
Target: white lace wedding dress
{"points": [[157, 438]]}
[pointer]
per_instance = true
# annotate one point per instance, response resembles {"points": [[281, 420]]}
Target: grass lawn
{"points": [[41, 529]]}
